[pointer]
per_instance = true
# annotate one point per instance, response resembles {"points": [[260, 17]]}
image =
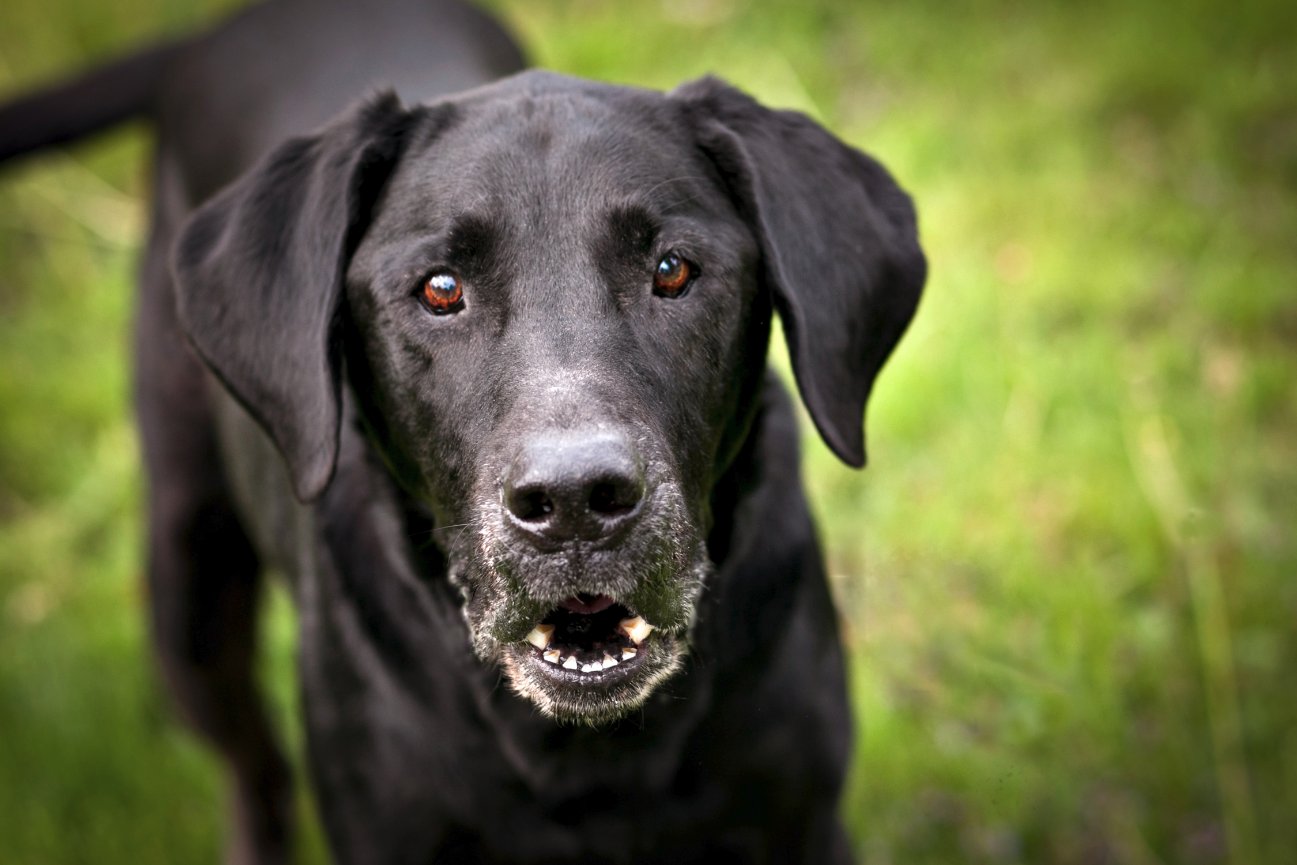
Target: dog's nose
{"points": [[574, 486]]}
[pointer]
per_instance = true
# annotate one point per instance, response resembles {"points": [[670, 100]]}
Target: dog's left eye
{"points": [[442, 292], [673, 274]]}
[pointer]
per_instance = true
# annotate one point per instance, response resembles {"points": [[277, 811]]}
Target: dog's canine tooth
{"points": [[570, 663], [628, 653], [540, 636], [609, 661], [552, 655], [637, 629]]}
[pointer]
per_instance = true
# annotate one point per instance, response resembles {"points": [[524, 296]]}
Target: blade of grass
{"points": [[1182, 522]]}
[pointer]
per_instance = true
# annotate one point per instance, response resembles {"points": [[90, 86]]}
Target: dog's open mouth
{"points": [[598, 654], [589, 640], [592, 659]]}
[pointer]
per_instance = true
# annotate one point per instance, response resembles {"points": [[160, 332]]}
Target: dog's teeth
{"points": [[628, 653], [552, 655], [637, 629], [609, 661], [540, 636], [570, 663]]}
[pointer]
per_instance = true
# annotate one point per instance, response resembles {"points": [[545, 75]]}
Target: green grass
{"points": [[1070, 574]]}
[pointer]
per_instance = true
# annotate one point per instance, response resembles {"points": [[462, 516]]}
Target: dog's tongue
{"points": [[586, 605]]}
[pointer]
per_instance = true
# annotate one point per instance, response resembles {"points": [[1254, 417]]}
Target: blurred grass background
{"points": [[1069, 573]]}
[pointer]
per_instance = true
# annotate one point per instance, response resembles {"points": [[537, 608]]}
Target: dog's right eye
{"points": [[442, 292], [673, 274]]}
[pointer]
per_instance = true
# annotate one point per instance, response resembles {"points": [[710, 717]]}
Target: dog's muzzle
{"points": [[584, 577]]}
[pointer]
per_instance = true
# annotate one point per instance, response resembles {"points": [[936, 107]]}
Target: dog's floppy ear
{"points": [[259, 279], [839, 243]]}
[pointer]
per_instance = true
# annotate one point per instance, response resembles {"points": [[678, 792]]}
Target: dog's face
{"points": [[553, 316], [552, 300]]}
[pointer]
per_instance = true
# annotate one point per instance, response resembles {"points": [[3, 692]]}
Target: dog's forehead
{"points": [[554, 148]]}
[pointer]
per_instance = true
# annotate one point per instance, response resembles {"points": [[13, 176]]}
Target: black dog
{"points": [[489, 389]]}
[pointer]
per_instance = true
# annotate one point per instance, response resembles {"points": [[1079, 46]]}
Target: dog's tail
{"points": [[117, 91]]}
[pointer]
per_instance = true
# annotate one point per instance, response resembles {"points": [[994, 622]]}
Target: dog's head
{"points": [[551, 300]]}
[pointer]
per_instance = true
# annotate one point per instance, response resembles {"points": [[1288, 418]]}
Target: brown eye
{"points": [[442, 292], [672, 276]]}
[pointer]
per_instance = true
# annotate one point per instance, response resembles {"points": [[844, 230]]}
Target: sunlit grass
{"points": [[1067, 574]]}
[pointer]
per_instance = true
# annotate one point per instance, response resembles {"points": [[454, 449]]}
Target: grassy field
{"points": [[1070, 574]]}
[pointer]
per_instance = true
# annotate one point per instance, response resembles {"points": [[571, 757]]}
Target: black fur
{"points": [[383, 457]]}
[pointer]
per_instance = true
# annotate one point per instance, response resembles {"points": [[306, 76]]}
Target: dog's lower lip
{"points": [[611, 666], [577, 670]]}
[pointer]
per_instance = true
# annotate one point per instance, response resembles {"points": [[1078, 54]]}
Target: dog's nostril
{"points": [[530, 505], [610, 499]]}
